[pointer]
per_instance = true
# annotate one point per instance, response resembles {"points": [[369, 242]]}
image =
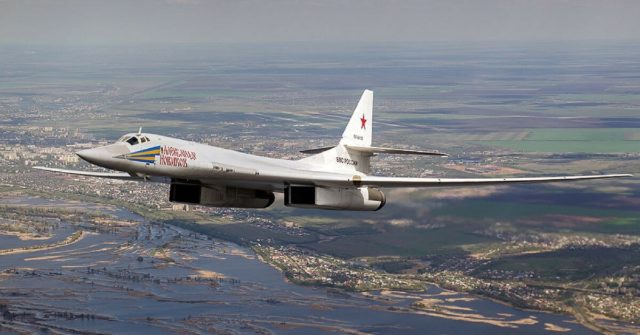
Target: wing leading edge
{"points": [[110, 175], [435, 182], [340, 180]]}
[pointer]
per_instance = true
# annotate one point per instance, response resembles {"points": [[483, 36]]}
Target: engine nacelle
{"points": [[194, 193], [355, 199]]}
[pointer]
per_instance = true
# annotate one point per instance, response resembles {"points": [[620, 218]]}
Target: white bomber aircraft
{"points": [[331, 178]]}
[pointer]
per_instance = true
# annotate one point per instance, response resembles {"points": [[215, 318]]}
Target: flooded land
{"points": [[92, 255], [127, 275]]}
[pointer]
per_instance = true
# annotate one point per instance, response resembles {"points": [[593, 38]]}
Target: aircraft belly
{"points": [[263, 186]]}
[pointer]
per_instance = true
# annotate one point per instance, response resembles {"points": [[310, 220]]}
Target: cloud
{"points": [[183, 2], [160, 21]]}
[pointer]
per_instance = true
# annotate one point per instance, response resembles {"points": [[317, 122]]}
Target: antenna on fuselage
{"points": [[139, 131]]}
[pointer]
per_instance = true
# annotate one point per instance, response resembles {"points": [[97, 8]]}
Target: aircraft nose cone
{"points": [[92, 156], [108, 156]]}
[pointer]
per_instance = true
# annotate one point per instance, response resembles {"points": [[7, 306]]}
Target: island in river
{"points": [[122, 273]]}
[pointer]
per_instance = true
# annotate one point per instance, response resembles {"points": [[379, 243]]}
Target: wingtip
{"points": [[436, 153], [619, 175]]}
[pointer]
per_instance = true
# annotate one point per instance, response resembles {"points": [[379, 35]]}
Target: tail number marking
{"points": [[346, 161]]}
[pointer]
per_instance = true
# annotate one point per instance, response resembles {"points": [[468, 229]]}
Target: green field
{"points": [[401, 242], [608, 220], [471, 209], [568, 264], [566, 140]]}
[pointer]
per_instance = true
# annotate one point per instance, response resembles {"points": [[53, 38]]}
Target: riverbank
{"points": [[325, 271]]}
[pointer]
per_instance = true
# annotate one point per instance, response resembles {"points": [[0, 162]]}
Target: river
{"points": [[101, 275]]}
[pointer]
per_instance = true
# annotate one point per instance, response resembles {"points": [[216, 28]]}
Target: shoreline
{"points": [[579, 318], [71, 239]]}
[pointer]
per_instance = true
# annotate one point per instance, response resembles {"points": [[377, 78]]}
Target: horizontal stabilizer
{"points": [[316, 150], [382, 150], [110, 175]]}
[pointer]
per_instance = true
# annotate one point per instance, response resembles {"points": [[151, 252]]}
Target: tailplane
{"points": [[353, 152]]}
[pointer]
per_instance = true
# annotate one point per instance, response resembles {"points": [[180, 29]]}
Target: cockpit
{"points": [[134, 139]]}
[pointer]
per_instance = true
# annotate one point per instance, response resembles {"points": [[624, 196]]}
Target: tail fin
{"points": [[360, 126], [358, 134], [353, 153]]}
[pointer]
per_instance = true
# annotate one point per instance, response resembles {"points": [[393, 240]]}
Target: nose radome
{"points": [[92, 156], [105, 156]]}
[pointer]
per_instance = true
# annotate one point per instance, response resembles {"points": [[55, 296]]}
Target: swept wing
{"points": [[433, 182], [110, 175]]}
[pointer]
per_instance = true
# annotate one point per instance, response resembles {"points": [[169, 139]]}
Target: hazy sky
{"points": [[157, 21]]}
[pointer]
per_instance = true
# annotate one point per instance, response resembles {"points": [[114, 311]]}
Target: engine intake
{"points": [[193, 192], [355, 199]]}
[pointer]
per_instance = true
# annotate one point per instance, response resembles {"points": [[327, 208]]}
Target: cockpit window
{"points": [[133, 141]]}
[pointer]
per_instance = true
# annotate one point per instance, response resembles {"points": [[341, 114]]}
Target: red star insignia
{"points": [[364, 122]]}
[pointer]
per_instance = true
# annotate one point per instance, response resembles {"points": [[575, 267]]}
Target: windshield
{"points": [[133, 140]]}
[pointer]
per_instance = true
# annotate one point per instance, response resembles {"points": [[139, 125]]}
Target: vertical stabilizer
{"points": [[359, 130], [359, 134]]}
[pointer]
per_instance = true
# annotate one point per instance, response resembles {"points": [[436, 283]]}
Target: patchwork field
{"points": [[498, 110]]}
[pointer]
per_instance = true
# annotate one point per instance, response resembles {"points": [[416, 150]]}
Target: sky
{"points": [[202, 21]]}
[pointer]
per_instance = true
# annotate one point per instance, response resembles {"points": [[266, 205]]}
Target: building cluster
{"points": [[517, 242], [516, 292], [616, 296], [307, 267], [613, 306], [30, 155]]}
